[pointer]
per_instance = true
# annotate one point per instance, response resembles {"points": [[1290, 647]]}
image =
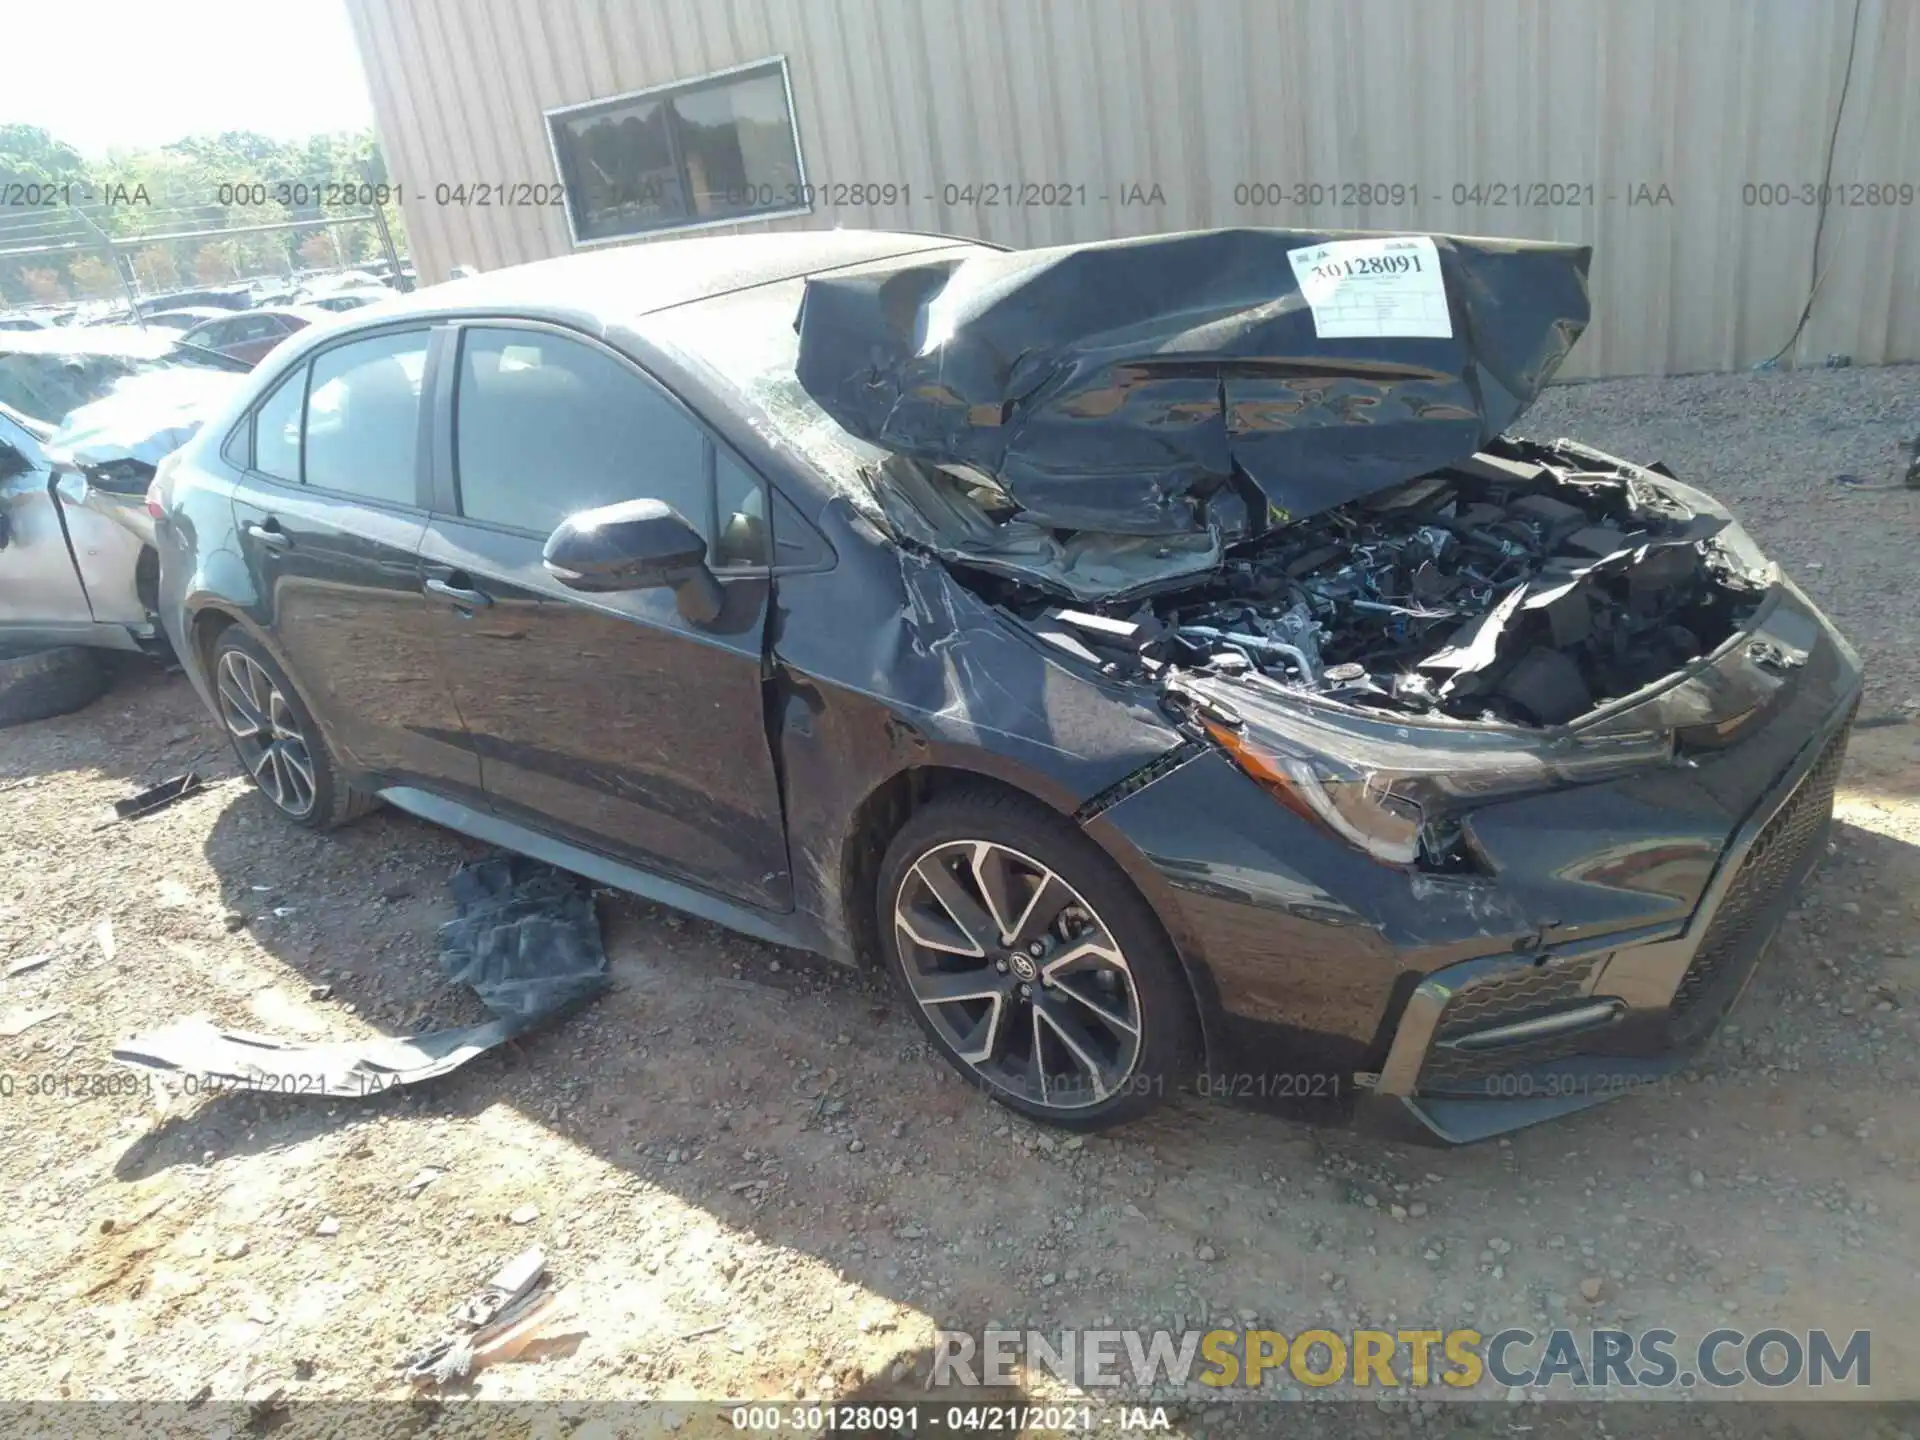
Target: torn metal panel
{"points": [[922, 510], [1157, 385]]}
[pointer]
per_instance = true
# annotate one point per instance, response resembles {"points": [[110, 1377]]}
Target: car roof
{"points": [[312, 314], [128, 340], [198, 313], [629, 281]]}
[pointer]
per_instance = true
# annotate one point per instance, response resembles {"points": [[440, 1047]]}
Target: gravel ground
{"points": [[753, 1178]]}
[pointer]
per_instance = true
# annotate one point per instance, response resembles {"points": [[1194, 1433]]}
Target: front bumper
{"points": [[1496, 1043], [1612, 925]]}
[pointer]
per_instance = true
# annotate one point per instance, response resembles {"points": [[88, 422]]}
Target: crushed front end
{"points": [[1534, 850], [1504, 758], [1477, 927]]}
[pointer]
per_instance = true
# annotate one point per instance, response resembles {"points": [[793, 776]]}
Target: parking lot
{"points": [[754, 1180]]}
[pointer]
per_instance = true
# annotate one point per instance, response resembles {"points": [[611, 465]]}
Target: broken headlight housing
{"points": [[1363, 809], [1397, 792]]}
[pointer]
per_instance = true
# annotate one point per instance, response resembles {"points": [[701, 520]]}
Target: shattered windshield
{"points": [[747, 342]]}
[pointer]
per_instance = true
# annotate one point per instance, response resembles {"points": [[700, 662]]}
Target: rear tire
{"points": [[275, 738], [1032, 963], [36, 684]]}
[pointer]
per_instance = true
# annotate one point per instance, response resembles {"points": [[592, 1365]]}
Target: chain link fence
{"points": [[94, 249]]}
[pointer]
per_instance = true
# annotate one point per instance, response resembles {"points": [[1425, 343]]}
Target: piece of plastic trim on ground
{"points": [[348, 1068]]}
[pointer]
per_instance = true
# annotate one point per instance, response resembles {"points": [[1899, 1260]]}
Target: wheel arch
{"points": [[207, 622], [885, 810], [205, 628]]}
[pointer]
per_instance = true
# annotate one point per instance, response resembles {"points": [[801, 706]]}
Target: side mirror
{"points": [[635, 545]]}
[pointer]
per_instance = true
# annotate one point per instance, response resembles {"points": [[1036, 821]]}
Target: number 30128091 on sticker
{"points": [[1388, 285]]}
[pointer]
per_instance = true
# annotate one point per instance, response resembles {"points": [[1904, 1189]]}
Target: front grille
{"points": [[1734, 937], [1502, 999]]}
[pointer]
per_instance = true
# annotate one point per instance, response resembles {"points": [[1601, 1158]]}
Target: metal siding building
{"points": [[1685, 141]]}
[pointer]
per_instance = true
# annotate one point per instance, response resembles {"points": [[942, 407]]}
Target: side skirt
{"points": [[509, 835]]}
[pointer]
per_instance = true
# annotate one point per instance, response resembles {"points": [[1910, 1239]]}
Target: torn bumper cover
{"points": [[1211, 382], [524, 936]]}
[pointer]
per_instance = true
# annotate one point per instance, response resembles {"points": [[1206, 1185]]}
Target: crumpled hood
{"points": [[1169, 384], [144, 419]]}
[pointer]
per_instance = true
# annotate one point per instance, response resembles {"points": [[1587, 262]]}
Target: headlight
{"points": [[1389, 788], [1362, 809]]}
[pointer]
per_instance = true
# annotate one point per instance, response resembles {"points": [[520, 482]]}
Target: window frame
{"points": [[446, 469], [238, 448], [666, 90]]}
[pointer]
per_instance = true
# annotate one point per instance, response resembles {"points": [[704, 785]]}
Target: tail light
{"points": [[156, 491]]}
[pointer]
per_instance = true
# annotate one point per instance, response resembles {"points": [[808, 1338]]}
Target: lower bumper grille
{"points": [[1511, 995], [1737, 933]]}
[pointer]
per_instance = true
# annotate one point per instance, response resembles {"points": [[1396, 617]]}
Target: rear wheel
{"points": [[276, 739], [1032, 963]]}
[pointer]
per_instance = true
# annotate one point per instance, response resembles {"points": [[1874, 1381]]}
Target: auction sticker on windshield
{"points": [[1381, 286]]}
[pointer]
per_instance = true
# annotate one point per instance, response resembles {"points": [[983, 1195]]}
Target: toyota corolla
{"points": [[1162, 656]]}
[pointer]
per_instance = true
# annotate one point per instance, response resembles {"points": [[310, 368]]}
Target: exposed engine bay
{"points": [[1526, 584], [1278, 456]]}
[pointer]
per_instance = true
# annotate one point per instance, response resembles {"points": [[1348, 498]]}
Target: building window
{"points": [[696, 152]]}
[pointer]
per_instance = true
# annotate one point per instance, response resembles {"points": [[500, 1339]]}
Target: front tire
{"points": [[1032, 963], [275, 738]]}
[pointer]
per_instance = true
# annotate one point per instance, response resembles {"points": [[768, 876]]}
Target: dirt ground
{"points": [[755, 1180]]}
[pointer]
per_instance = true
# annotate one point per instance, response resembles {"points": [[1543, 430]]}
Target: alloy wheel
{"points": [[266, 733], [1015, 971]]}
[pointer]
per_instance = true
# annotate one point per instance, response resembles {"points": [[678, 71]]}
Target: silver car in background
{"points": [[85, 419]]}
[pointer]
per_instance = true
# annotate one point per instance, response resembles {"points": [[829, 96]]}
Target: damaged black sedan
{"points": [[1160, 655]]}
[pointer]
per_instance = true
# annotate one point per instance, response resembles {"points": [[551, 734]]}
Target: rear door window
{"points": [[363, 417], [251, 327], [210, 333], [546, 426]]}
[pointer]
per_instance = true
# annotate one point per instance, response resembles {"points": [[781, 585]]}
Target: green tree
{"points": [[93, 276], [155, 267], [205, 182], [318, 250], [213, 265], [44, 285], [30, 155]]}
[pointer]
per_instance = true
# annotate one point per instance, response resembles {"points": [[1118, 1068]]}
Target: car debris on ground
{"points": [[495, 1324], [524, 936], [157, 797], [18, 1021]]}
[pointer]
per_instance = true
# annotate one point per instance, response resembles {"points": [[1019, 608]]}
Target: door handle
{"points": [[270, 535], [459, 594]]}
